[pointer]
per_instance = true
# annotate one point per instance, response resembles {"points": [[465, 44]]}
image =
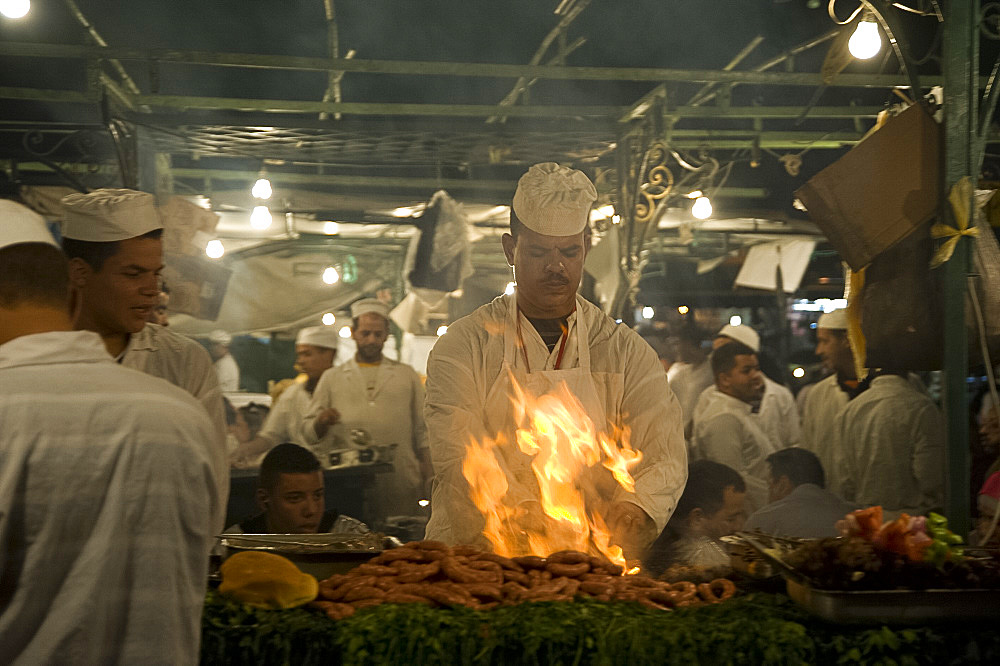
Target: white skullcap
{"points": [[109, 215], [835, 320], [220, 337], [318, 336], [554, 200], [741, 333], [20, 224], [367, 305]]}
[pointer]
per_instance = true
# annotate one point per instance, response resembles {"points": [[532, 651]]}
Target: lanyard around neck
{"points": [[524, 351]]}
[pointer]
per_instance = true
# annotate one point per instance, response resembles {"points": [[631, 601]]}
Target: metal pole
{"points": [[960, 52]]}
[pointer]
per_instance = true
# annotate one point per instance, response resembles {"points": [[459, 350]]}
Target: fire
{"points": [[547, 490]]}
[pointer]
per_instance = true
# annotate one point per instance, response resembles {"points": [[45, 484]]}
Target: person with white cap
{"points": [[108, 497], [384, 398], [225, 365], [725, 429], [113, 240], [315, 350], [544, 336]]}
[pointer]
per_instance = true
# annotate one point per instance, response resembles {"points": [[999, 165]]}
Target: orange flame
{"points": [[574, 472]]}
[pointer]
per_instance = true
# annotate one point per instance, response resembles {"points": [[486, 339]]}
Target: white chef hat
{"points": [[369, 305], [20, 224], [220, 337], [741, 333], [834, 319], [109, 215], [554, 200], [318, 336]]}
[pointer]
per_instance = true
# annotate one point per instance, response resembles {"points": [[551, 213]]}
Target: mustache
{"points": [[555, 280]]}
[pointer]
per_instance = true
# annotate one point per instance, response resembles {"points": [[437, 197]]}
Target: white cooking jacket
{"points": [[688, 382], [108, 503], [391, 414], [285, 420], [726, 432], [819, 417], [778, 416], [228, 373], [465, 366], [160, 352], [890, 448]]}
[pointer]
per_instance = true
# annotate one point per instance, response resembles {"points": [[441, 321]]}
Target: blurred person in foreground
{"points": [[292, 497], [108, 497], [712, 506], [315, 350], [544, 337], [799, 503]]}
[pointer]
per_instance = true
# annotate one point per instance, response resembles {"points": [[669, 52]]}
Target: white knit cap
{"points": [[220, 337], [554, 200], [318, 336], [20, 224], [741, 333], [834, 319], [369, 305], [109, 215]]}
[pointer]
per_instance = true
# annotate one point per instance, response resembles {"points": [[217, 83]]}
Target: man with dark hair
{"points": [[112, 239], [800, 505], [108, 497], [711, 507], [292, 498], [724, 428]]}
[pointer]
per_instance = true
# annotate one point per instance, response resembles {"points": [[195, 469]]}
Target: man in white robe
{"points": [[108, 497], [546, 336], [226, 369]]}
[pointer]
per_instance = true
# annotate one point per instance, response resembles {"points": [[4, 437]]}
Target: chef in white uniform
{"points": [[113, 240], [829, 395], [108, 498], [385, 399], [541, 335], [225, 365], [315, 350]]}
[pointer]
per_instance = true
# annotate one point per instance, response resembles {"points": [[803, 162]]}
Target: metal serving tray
{"points": [[321, 555], [896, 606]]}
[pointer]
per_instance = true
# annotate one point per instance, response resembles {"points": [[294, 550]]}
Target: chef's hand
{"points": [[325, 419], [632, 529]]}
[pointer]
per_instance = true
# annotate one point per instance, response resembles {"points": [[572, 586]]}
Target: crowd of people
{"points": [[117, 442]]}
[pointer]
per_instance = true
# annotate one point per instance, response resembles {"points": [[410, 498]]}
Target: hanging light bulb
{"points": [[702, 208], [262, 188], [865, 43], [215, 249], [736, 320], [509, 289], [345, 332], [329, 319], [15, 9], [683, 309], [442, 329], [330, 275], [648, 312], [260, 218], [331, 228]]}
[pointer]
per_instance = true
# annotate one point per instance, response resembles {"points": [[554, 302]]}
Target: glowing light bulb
{"points": [[261, 189], [215, 249], [509, 289], [442, 329], [702, 208], [616, 219], [736, 320], [330, 275], [329, 319], [683, 309], [424, 502], [260, 218], [647, 312], [15, 9], [865, 43], [331, 228], [799, 373], [345, 332]]}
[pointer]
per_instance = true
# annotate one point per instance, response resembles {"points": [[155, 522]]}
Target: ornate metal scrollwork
{"points": [[655, 181], [87, 147]]}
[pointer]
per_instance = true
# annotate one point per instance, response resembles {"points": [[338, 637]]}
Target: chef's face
{"points": [[295, 504], [835, 351], [547, 270], [744, 381], [370, 333], [726, 520], [313, 360], [120, 297]]}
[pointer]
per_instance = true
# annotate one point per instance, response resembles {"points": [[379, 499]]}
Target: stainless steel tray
{"points": [[896, 606], [306, 544]]}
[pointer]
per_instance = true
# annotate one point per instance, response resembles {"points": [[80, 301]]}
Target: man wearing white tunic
{"points": [[225, 365], [315, 349], [382, 397], [724, 428], [113, 240], [108, 499], [542, 335]]}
